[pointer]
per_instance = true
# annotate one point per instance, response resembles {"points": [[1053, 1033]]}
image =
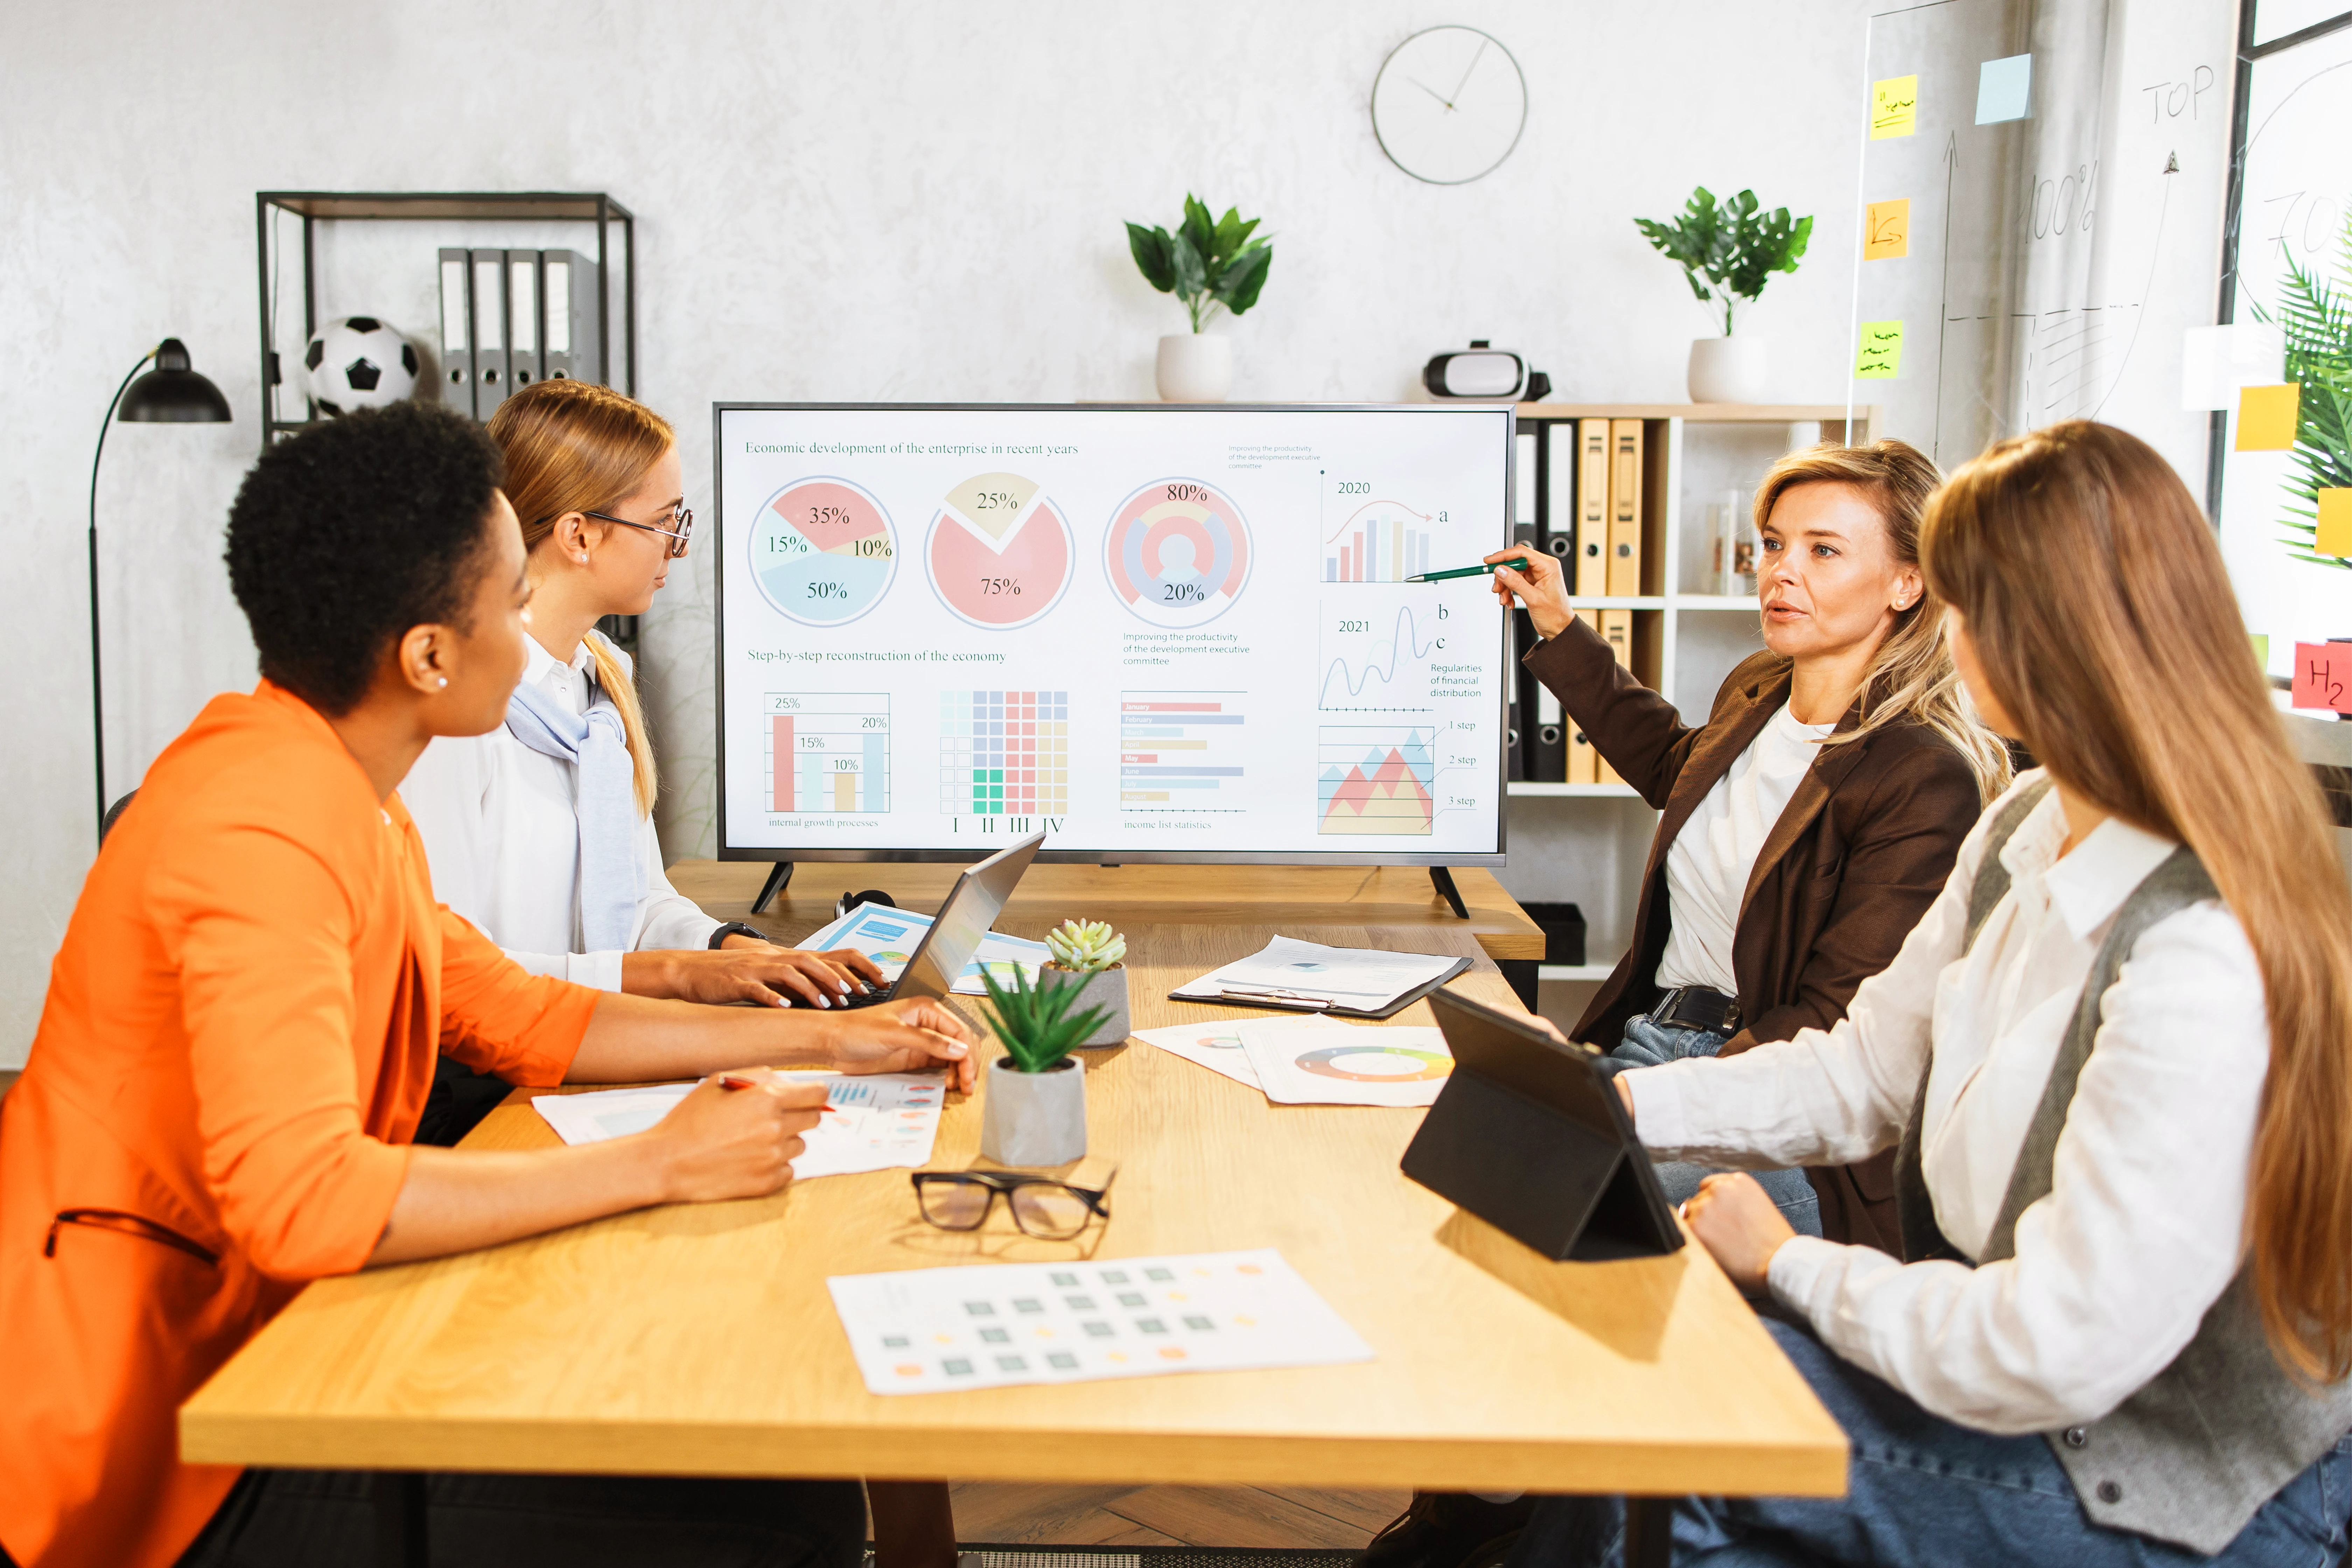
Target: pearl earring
{"points": [[444, 680], [584, 558]]}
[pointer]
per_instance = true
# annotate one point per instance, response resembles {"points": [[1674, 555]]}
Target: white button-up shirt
{"points": [[502, 832], [2143, 1227]]}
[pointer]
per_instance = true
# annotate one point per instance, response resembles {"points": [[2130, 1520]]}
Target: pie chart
{"points": [[1178, 552], [999, 552], [822, 550], [1376, 1064]]}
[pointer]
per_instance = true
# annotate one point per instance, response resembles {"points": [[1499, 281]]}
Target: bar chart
{"points": [[1180, 751], [1384, 542], [1004, 753], [828, 751]]}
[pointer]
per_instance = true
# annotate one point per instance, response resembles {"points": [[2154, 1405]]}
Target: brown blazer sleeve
{"points": [[1640, 733], [1900, 843]]}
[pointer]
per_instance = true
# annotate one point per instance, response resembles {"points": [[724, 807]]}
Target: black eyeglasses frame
{"points": [[1004, 1184]]}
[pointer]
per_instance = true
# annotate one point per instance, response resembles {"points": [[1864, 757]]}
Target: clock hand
{"points": [[1466, 71], [1431, 90]]}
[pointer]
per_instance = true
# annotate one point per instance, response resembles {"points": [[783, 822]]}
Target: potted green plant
{"points": [[1035, 1109], [1098, 956], [1727, 252], [1208, 264]]}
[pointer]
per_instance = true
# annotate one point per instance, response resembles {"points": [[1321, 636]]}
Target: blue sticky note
{"points": [[2004, 89]]}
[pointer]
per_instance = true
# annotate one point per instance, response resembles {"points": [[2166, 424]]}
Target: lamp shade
{"points": [[173, 394]]}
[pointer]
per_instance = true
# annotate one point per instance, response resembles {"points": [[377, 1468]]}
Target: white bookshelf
{"points": [[1587, 843]]}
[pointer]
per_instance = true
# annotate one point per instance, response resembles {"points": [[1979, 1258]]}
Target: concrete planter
{"points": [[1104, 988], [1035, 1118]]}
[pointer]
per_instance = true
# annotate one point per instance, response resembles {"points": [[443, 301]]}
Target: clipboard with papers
{"points": [[1309, 977]]}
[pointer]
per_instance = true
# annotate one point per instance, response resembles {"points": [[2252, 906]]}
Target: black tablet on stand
{"points": [[1529, 1135]]}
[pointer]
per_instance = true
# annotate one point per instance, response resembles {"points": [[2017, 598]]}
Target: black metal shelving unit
{"points": [[314, 207]]}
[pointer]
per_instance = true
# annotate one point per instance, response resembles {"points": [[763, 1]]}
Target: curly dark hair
{"points": [[353, 532]]}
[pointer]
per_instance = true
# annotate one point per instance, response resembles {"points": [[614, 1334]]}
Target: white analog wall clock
{"points": [[1449, 104]]}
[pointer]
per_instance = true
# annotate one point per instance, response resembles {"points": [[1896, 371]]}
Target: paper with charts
{"points": [[928, 1331], [882, 1121], [1401, 1066], [1216, 1044], [1364, 978], [888, 937]]}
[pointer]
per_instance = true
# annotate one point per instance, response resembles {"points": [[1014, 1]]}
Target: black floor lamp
{"points": [[171, 393]]}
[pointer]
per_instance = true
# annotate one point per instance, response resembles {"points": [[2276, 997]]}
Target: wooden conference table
{"points": [[702, 1340]]}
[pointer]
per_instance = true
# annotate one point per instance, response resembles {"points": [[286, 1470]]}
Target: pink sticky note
{"points": [[2323, 676]]}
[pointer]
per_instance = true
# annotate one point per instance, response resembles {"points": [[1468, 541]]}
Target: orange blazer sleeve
{"points": [[497, 1017], [261, 931]]}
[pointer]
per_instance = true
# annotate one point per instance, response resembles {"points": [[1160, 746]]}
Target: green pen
{"points": [[1484, 570]]}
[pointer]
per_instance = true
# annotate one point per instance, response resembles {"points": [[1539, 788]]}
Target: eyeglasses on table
{"points": [[1046, 1207]]}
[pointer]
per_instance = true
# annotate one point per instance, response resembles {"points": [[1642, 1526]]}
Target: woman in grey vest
{"points": [[2115, 1060]]}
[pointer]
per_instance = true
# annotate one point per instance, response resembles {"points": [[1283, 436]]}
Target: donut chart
{"points": [[822, 551], [1178, 552], [998, 554], [1376, 1064]]}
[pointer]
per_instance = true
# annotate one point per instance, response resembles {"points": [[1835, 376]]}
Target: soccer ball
{"points": [[359, 362]]}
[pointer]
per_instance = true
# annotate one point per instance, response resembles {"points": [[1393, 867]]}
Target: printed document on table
{"points": [[1360, 977], [930, 1331], [1404, 1066], [881, 1121], [890, 936], [1216, 1043]]}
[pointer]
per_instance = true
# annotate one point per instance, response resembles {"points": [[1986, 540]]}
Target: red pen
{"points": [[728, 1080]]}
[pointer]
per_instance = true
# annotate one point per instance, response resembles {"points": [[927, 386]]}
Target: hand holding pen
{"points": [[1531, 577]]}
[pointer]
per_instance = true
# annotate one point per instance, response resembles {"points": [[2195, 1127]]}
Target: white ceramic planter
{"points": [[1195, 367], [1033, 1118], [1728, 370], [1106, 989]]}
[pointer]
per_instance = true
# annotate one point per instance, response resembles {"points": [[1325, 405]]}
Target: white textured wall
{"points": [[891, 201]]}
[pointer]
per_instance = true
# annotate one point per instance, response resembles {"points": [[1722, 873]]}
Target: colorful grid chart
{"points": [[1004, 753], [828, 750]]}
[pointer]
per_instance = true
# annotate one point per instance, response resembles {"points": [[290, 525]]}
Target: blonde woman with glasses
{"points": [[540, 832]]}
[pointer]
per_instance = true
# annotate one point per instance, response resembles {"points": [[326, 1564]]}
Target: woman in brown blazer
{"points": [[1808, 824], [1802, 831]]}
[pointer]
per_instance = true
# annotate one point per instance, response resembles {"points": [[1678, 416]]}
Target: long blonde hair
{"points": [[572, 446], [1911, 678], [2097, 600]]}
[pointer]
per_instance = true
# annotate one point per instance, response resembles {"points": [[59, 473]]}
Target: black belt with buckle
{"points": [[1698, 1008]]}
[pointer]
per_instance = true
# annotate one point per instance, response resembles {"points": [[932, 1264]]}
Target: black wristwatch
{"points": [[737, 928]]}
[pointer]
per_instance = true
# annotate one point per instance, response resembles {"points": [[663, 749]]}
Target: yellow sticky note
{"points": [[2335, 534], [2266, 417], [1881, 358], [1886, 230], [1894, 107]]}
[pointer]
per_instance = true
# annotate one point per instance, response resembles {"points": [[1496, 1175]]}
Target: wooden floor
{"points": [[1171, 1516]]}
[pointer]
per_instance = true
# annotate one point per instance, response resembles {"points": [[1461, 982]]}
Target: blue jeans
{"points": [[1648, 1045], [1922, 1491]]}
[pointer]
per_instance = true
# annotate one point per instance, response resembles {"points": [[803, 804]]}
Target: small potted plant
{"points": [[1098, 954], [1727, 252], [1035, 1111], [1206, 264]]}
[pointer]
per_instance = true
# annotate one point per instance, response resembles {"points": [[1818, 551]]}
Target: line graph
{"points": [[1376, 658]]}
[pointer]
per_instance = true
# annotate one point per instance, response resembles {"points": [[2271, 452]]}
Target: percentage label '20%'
{"points": [[1186, 594]]}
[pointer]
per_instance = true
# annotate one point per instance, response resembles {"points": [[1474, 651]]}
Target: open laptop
{"points": [[978, 898]]}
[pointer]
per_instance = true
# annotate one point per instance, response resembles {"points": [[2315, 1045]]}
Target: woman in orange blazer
{"points": [[241, 1027]]}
